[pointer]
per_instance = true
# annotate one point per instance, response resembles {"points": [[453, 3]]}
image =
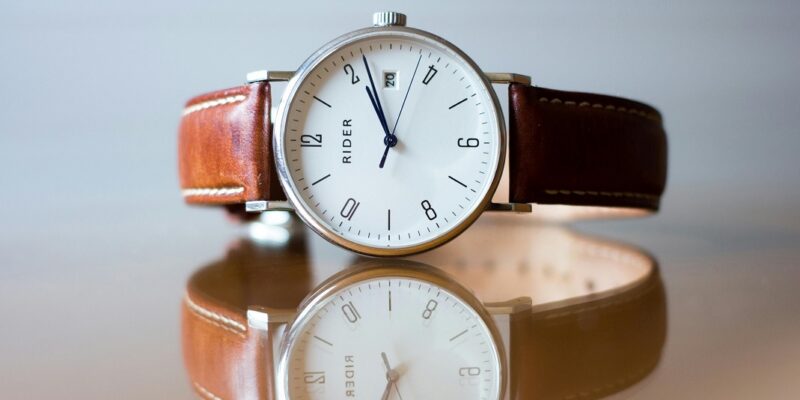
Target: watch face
{"points": [[389, 141], [391, 337]]}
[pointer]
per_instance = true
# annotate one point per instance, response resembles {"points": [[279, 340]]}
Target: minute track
{"points": [[422, 133]]}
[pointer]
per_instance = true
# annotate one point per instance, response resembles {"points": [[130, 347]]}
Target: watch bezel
{"points": [[375, 270], [290, 189]]}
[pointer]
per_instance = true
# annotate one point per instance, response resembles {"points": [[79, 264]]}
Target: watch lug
{"points": [[510, 307], [503, 313], [510, 207], [270, 325], [508, 77], [263, 318], [264, 205], [269, 76]]}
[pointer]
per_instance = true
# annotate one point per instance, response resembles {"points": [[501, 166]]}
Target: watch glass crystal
{"points": [[390, 141], [392, 338]]}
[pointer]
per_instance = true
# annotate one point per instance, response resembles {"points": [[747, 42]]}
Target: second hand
{"points": [[396, 121]]}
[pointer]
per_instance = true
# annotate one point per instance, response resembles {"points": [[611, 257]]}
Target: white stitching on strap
{"points": [[596, 193], [225, 191], [213, 103], [214, 316], [603, 106], [205, 392]]}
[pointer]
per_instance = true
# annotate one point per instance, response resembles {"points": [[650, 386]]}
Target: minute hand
{"points": [[376, 101], [410, 83]]}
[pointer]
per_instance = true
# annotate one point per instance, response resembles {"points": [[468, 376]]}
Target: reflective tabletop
{"points": [[98, 247]]}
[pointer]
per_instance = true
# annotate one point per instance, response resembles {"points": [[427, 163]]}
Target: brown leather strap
{"points": [[584, 149], [224, 150], [592, 349], [224, 357]]}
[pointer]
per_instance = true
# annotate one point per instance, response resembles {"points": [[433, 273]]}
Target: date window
{"points": [[390, 80]]}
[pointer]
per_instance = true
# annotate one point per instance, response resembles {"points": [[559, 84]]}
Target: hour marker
{"points": [[321, 179], [428, 76], [390, 301], [389, 220], [457, 181], [325, 341], [458, 336], [322, 101], [453, 106]]}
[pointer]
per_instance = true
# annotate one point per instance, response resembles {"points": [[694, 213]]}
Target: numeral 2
{"points": [[348, 69]]}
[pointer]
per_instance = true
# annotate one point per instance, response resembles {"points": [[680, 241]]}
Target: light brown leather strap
{"points": [[224, 147], [584, 149], [224, 357]]}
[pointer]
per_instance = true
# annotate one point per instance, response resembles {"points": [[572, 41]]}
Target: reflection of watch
{"points": [[246, 337], [390, 140]]}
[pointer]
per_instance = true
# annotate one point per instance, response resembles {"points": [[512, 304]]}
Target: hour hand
{"points": [[376, 106]]}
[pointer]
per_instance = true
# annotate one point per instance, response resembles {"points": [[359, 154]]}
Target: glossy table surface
{"points": [[94, 313], [97, 245]]}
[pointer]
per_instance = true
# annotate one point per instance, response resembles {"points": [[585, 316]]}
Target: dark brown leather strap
{"points": [[224, 147], [584, 149], [591, 349]]}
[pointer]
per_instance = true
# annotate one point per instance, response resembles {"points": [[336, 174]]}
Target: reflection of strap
{"points": [[225, 147], [591, 349], [223, 356], [584, 149], [579, 348]]}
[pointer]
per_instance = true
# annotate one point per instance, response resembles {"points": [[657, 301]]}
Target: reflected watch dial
{"points": [[390, 142], [392, 338]]}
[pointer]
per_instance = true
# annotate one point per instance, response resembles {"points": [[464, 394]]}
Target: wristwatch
{"points": [[390, 141], [279, 320]]}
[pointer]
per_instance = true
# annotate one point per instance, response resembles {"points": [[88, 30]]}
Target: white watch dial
{"points": [[392, 338], [399, 186]]}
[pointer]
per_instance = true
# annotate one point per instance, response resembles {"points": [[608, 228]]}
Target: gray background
{"points": [[96, 243]]}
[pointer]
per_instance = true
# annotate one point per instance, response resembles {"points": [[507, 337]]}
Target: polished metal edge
{"points": [[269, 76], [510, 207], [264, 205], [339, 282], [508, 77], [279, 131]]}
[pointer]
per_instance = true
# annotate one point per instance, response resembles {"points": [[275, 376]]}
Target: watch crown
{"points": [[388, 18]]}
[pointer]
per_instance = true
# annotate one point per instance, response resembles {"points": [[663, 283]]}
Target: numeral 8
{"points": [[429, 211]]}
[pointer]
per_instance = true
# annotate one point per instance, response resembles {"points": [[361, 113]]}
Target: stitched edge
{"points": [[224, 191], [609, 107], [225, 321], [554, 192], [213, 103], [205, 392], [610, 387]]}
